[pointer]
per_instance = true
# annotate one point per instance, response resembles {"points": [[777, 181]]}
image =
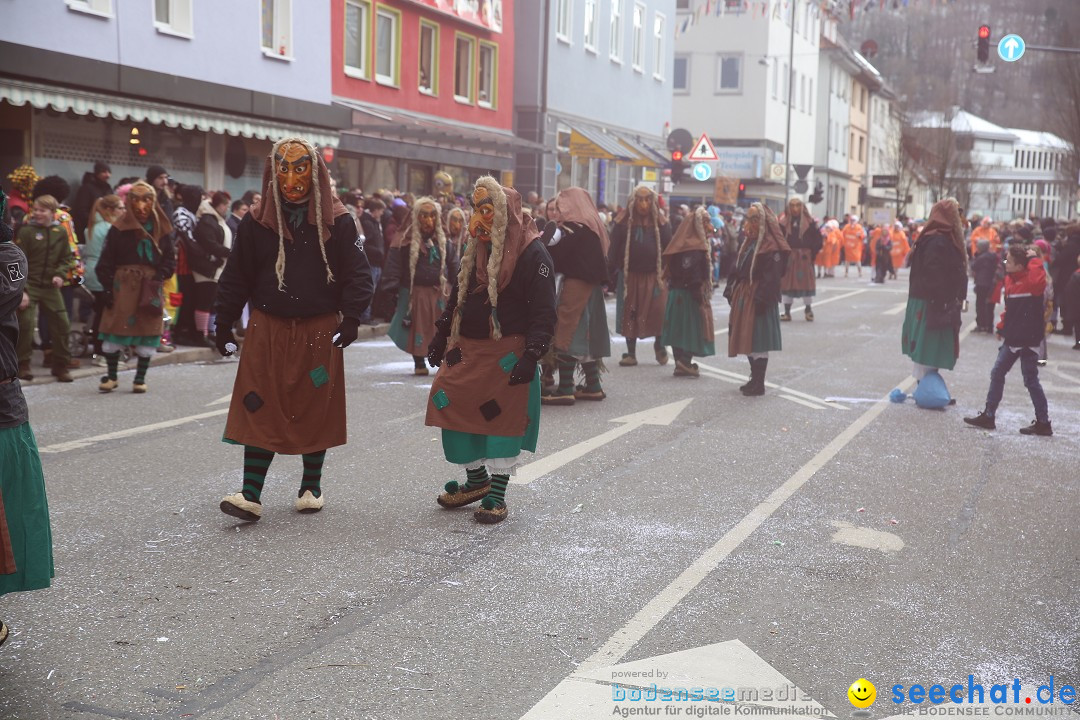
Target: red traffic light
{"points": [[984, 32], [676, 155], [742, 187]]}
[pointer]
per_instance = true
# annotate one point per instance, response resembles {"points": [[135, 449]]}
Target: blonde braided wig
{"points": [[279, 266], [416, 240], [494, 262], [654, 215]]}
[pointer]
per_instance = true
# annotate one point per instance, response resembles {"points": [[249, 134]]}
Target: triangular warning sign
{"points": [[703, 151]]}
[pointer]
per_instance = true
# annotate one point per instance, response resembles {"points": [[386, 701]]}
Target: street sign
{"points": [[884, 181], [777, 171], [1011, 48], [679, 139], [726, 190], [801, 186], [801, 171], [702, 171], [703, 151]]}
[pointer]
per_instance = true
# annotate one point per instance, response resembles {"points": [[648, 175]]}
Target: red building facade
{"points": [[430, 85]]}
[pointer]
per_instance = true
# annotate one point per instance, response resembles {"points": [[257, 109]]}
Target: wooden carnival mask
{"points": [[483, 215], [455, 223], [140, 200], [293, 167], [643, 200], [427, 216]]}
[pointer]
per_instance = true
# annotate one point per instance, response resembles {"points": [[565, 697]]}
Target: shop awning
{"points": [[80, 102], [589, 143], [644, 154], [386, 124]]}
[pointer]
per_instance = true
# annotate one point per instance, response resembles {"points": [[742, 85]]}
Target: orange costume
{"points": [[900, 247], [987, 233], [875, 235], [854, 234], [829, 255]]}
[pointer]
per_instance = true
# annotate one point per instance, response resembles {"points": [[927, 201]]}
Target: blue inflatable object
{"points": [[931, 392], [897, 396]]}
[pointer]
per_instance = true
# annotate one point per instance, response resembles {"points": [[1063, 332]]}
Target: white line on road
{"points": [[817, 304], [130, 432], [896, 310], [665, 601], [662, 415], [719, 374], [800, 401], [220, 400]]}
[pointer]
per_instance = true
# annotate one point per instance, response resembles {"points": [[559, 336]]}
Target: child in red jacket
{"points": [[1022, 329]]}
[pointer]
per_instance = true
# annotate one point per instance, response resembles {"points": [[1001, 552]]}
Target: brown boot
{"points": [[24, 372], [62, 375]]}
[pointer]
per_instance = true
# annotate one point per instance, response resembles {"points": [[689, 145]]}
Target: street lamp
{"points": [[790, 99]]}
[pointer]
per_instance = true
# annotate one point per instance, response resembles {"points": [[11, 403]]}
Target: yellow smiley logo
{"points": [[862, 693]]}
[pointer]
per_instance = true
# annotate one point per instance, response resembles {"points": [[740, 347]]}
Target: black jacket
{"points": [[374, 247], [687, 270], [91, 189], [209, 251], [938, 270], [249, 274], [1070, 300], [1065, 259], [642, 250], [122, 248], [809, 240], [426, 274], [13, 272], [578, 255], [526, 305], [768, 272], [984, 269]]}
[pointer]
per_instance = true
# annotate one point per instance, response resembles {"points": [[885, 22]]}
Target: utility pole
{"points": [[790, 95]]}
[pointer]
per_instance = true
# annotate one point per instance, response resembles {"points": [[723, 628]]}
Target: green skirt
{"points": [[683, 325], [27, 510], [592, 338], [936, 348], [767, 331], [462, 448]]}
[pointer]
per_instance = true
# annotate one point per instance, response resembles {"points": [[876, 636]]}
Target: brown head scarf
{"points": [[323, 205], [945, 220], [161, 224], [692, 235], [576, 205], [511, 233], [804, 221]]}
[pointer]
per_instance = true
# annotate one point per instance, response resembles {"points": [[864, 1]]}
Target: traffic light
{"points": [[678, 166], [984, 43], [818, 194], [742, 191]]}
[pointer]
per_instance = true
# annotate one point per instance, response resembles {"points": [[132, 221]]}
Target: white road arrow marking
{"points": [[731, 668], [662, 415]]}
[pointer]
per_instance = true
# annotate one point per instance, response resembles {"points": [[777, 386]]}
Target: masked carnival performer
{"points": [[637, 242], [455, 229], [137, 258], [753, 290], [26, 559], [419, 264], [579, 247], [804, 238], [298, 260], [688, 320], [496, 327]]}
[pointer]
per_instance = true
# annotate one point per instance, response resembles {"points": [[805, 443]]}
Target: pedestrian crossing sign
{"points": [[703, 151]]}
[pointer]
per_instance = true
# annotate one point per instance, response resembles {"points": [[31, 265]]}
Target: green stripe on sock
{"points": [[256, 464], [497, 493], [112, 361], [312, 479], [140, 370], [477, 477]]}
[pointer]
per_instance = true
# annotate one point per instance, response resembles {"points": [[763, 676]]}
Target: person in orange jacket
{"points": [[986, 231], [829, 255], [900, 247], [854, 234], [875, 235]]}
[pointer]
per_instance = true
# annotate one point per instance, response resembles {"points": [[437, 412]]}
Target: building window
{"points": [[810, 98], [616, 30], [564, 23], [357, 38], [681, 5], [637, 52], [680, 79], [786, 80], [387, 46], [802, 91], [173, 17], [486, 80], [729, 74], [276, 28], [775, 80], [428, 80], [93, 7], [464, 52], [658, 46], [592, 19]]}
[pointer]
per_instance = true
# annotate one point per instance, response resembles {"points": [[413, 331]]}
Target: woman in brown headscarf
{"points": [[937, 286], [688, 319], [753, 290], [804, 237]]}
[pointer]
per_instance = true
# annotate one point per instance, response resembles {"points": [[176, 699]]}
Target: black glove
{"points": [[436, 350], [525, 369], [346, 332], [108, 299], [223, 336]]}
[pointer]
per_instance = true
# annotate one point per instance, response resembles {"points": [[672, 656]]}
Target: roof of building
{"points": [[1036, 138], [963, 123]]}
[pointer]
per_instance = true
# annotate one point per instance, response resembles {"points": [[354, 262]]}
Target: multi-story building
{"points": [[430, 85], [744, 78], [593, 87], [200, 88], [836, 68], [863, 84], [1039, 186]]}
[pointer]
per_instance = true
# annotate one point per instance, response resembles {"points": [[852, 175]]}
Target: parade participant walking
{"points": [[937, 286], [579, 248], [688, 318], [985, 231], [637, 242], [214, 240], [882, 255], [900, 247], [456, 230], [105, 212], [753, 290], [496, 327], [26, 559], [298, 260], [804, 239], [48, 253], [418, 268], [984, 271], [94, 185], [854, 235], [829, 256], [1022, 329], [137, 258]]}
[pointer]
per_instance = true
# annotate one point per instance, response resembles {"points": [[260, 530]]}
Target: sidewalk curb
{"points": [[182, 354]]}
